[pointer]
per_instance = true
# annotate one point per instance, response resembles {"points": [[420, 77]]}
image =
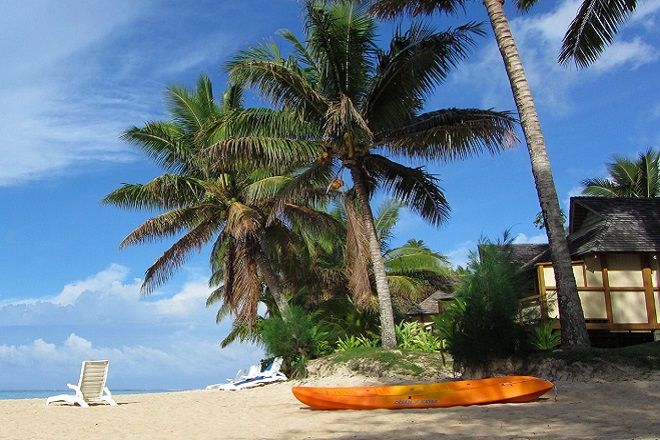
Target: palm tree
{"points": [[341, 98], [574, 330], [596, 24], [207, 203], [409, 267], [628, 178]]}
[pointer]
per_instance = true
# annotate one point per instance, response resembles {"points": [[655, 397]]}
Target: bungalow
{"points": [[430, 307], [614, 245]]}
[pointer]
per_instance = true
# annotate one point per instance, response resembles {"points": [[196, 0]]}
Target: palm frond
{"points": [[243, 220], [278, 153], [418, 61], [232, 99], [174, 258], [342, 118], [286, 86], [191, 109], [168, 224], [243, 332], [387, 215], [600, 187], [650, 165], [266, 188], [168, 191], [406, 287], [163, 143], [628, 177], [310, 185], [413, 257], [413, 187], [341, 35], [242, 287], [357, 256], [390, 9], [594, 27], [453, 134]]}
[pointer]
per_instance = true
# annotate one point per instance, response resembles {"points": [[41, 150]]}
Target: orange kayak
{"points": [[510, 389]]}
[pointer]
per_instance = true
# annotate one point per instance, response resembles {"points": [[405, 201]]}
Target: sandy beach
{"points": [[583, 410]]}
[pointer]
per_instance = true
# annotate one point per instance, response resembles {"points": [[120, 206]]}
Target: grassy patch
{"points": [[378, 361]]}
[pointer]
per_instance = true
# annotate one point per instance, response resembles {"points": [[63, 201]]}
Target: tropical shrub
{"points": [[296, 339], [544, 336], [447, 323], [484, 323], [350, 342], [413, 336]]}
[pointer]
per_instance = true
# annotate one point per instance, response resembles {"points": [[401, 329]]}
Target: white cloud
{"points": [[47, 102], [631, 54], [460, 255], [75, 74], [539, 37], [534, 239], [164, 342], [109, 280]]}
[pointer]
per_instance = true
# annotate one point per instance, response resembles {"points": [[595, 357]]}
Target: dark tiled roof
{"points": [[600, 224], [527, 252], [604, 224], [430, 305]]}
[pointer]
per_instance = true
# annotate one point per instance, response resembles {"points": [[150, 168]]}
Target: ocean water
{"points": [[43, 394]]}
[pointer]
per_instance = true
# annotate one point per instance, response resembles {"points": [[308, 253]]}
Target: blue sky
{"points": [[76, 73]]}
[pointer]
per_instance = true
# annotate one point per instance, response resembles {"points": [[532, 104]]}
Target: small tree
{"points": [[295, 338], [485, 326]]}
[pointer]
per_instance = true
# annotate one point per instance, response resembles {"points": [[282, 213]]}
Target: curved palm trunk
{"points": [[574, 330], [388, 333], [271, 281]]}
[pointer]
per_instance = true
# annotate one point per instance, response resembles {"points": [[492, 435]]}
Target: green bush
{"points": [[482, 326], [447, 324], [296, 339], [413, 336], [544, 336], [350, 342]]}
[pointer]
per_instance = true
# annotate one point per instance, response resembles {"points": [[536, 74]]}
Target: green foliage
{"points": [[486, 327], [373, 361], [344, 319], [295, 339], [447, 323], [628, 177], [351, 342], [544, 336], [410, 336], [413, 336], [539, 221]]}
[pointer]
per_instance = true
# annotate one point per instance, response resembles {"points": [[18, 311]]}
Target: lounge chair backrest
{"points": [[93, 375], [275, 366], [253, 371], [91, 386]]}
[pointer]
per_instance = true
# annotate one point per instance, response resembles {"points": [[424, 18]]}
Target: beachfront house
{"points": [[615, 246], [430, 307]]}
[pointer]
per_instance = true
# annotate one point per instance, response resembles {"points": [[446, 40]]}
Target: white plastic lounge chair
{"points": [[91, 386], [269, 375], [253, 371], [240, 375]]}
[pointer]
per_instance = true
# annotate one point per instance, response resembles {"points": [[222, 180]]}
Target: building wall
{"points": [[618, 291]]}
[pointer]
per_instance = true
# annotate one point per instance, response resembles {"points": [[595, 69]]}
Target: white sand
{"points": [[618, 410]]}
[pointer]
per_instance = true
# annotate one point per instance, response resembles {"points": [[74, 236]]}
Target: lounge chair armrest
{"points": [[73, 387], [106, 390]]}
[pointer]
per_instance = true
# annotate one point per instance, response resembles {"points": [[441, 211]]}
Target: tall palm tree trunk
{"points": [[574, 331], [388, 333]]}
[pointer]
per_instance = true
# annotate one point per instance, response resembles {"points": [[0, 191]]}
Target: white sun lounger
{"points": [[240, 375], [91, 387], [269, 375]]}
